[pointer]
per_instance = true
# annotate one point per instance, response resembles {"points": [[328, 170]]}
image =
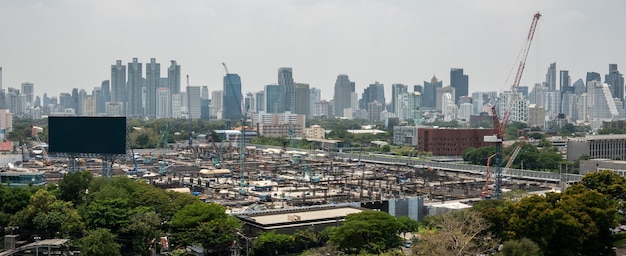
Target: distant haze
{"points": [[62, 44]]}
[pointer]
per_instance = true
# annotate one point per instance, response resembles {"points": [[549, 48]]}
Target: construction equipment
{"points": [[218, 153], [135, 165], [500, 126], [35, 133], [242, 181], [162, 144], [307, 173]]}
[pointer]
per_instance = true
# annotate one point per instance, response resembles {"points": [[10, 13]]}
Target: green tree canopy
{"points": [[370, 231], [99, 242]]}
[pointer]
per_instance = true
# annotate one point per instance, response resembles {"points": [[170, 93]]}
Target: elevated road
{"points": [[462, 168]]}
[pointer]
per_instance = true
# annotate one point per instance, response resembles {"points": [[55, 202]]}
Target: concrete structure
{"points": [[118, 82], [593, 165], [285, 79], [274, 98], [28, 90], [405, 135], [173, 77], [597, 146], [134, 87], [536, 115], [450, 142], [177, 105], [315, 132], [6, 121], [193, 101], [374, 109], [289, 221]]}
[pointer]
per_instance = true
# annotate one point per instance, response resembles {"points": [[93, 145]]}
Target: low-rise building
{"points": [[451, 141], [611, 146], [405, 135], [315, 132]]}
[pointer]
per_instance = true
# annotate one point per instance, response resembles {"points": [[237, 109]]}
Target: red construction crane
{"points": [[500, 126]]}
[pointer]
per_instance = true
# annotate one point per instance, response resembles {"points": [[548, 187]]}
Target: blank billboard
{"points": [[99, 135]]}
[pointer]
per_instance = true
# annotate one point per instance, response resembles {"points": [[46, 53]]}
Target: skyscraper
{"points": [[193, 101], [274, 98], [232, 97], [134, 89], [173, 77], [153, 77], [315, 97], [285, 78], [28, 90], [106, 92], [343, 90], [217, 97], [460, 83], [396, 91], [118, 82], [98, 100], [430, 92], [615, 80], [204, 92], [591, 76], [551, 77], [302, 95], [375, 92], [163, 100]]}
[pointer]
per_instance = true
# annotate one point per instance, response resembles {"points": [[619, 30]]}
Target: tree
{"points": [[73, 186], [606, 182], [109, 213], [143, 227], [369, 231], [407, 225], [522, 247], [460, 232], [204, 223], [99, 242], [270, 243], [305, 239]]}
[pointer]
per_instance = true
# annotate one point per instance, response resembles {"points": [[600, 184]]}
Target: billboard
{"points": [[94, 135]]}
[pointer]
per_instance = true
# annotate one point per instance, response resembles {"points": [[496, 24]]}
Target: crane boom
{"points": [[500, 127]]}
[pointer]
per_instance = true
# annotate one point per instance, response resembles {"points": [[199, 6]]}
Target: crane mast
{"points": [[500, 127], [189, 112]]}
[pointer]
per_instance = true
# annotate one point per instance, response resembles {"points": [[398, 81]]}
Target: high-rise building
{"points": [[615, 80], [602, 104], [106, 93], [302, 97], [118, 83], [285, 79], [153, 78], [98, 100], [396, 91], [536, 115], [88, 106], [204, 92], [260, 101], [0, 78], [538, 95], [163, 100], [564, 81], [569, 102], [375, 91], [579, 87], [193, 101], [248, 102], [114, 109], [592, 76], [343, 89], [134, 87], [374, 109], [274, 98], [430, 92], [315, 97], [232, 97], [441, 105], [414, 106], [173, 77], [217, 97], [28, 90], [551, 77], [177, 105], [460, 83]]}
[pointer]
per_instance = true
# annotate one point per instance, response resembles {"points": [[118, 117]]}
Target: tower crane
{"points": [[500, 126], [242, 180]]}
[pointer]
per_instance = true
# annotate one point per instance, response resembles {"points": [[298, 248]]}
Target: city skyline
{"points": [[406, 43]]}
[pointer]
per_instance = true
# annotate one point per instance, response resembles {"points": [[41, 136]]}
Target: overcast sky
{"points": [[62, 44]]}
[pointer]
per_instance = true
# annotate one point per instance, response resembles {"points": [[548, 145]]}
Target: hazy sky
{"points": [[62, 44]]}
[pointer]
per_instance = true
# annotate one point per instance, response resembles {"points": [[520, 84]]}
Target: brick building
{"points": [[451, 141]]}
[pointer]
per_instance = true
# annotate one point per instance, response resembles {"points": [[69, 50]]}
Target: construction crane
{"points": [[500, 126], [163, 142], [242, 180], [189, 115], [218, 154]]}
